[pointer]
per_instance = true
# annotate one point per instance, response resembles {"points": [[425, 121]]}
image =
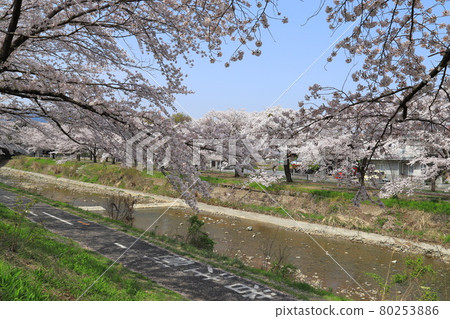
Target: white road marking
{"points": [[121, 246], [30, 212], [210, 270], [64, 221]]}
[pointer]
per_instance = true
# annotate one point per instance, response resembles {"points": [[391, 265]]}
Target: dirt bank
{"points": [[32, 181]]}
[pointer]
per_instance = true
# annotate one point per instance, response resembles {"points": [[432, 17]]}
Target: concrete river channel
{"points": [[264, 244]]}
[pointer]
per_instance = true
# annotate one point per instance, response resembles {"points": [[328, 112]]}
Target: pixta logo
{"points": [[142, 148]]}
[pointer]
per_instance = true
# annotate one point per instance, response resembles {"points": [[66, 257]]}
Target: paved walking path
{"points": [[190, 278]]}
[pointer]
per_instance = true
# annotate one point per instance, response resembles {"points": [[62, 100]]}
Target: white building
{"points": [[396, 162]]}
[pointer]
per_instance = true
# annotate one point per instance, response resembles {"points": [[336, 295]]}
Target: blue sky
{"points": [[255, 83]]}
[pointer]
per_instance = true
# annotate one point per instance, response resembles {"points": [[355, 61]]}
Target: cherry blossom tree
{"points": [[57, 56], [405, 52], [434, 159], [8, 141], [432, 141], [226, 135], [275, 128], [73, 63], [399, 52], [69, 63], [36, 136], [251, 140]]}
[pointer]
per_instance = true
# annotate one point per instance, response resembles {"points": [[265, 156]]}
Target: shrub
{"points": [[197, 237], [121, 207], [282, 270], [414, 279]]}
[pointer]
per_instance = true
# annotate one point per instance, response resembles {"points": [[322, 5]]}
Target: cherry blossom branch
{"points": [[441, 66], [58, 97], [6, 47]]}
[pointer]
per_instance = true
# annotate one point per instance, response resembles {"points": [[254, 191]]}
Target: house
{"points": [[214, 162], [396, 162], [396, 167]]}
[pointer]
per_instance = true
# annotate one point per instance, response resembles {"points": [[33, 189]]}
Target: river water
{"points": [[338, 264], [345, 272]]}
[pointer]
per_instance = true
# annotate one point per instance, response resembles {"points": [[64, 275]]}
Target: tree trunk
{"points": [[93, 156], [78, 157], [238, 173], [362, 194], [433, 183], [113, 160], [287, 171]]}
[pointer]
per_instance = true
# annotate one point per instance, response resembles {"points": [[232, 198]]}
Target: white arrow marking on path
{"points": [[64, 221], [30, 212], [121, 246]]}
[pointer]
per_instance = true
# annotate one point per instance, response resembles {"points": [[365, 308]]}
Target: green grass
{"points": [[431, 206], [100, 173], [219, 180], [297, 187], [416, 233], [435, 205], [49, 267]]}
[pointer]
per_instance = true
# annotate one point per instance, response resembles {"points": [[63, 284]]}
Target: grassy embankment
{"points": [[36, 264], [34, 273], [419, 218]]}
